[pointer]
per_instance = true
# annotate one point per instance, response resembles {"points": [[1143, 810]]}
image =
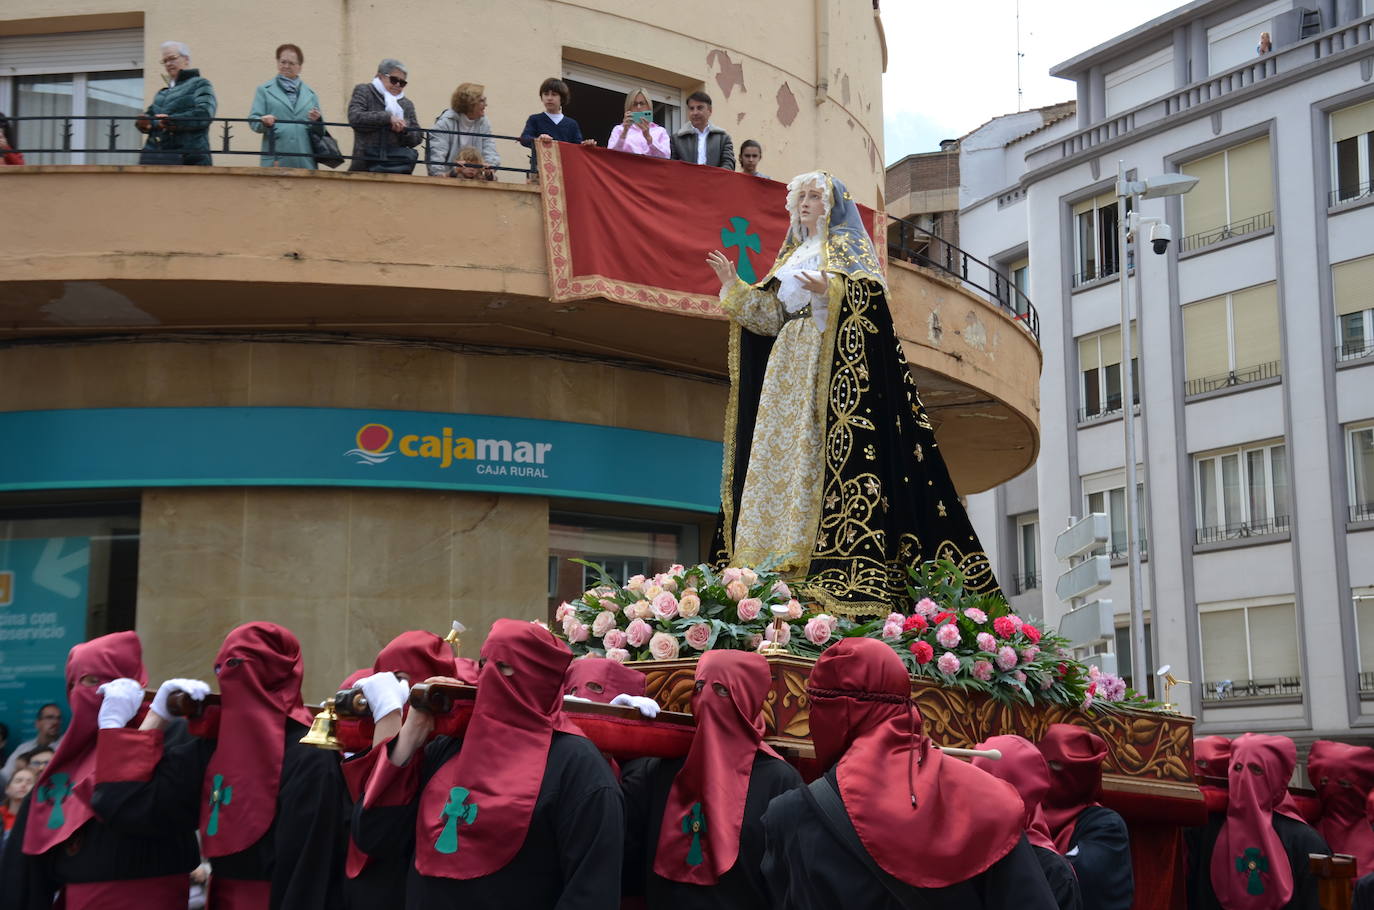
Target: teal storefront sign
{"points": [[170, 447], [43, 585]]}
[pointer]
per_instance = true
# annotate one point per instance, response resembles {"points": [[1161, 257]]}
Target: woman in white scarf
{"points": [[381, 132]]}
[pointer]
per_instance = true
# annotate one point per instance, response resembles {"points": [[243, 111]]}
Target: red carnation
{"points": [[1062, 670], [1031, 632], [944, 616], [1004, 627], [915, 621], [923, 651]]}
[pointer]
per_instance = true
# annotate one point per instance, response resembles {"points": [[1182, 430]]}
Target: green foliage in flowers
{"points": [[951, 636]]}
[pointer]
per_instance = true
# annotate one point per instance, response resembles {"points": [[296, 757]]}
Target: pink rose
{"points": [[754, 641], [982, 670], [638, 633], [604, 622], [749, 577], [771, 634], [689, 605], [619, 655], [651, 592], [636, 583], [729, 575], [749, 608], [737, 590], [927, 607], [675, 570], [948, 663], [976, 615], [948, 635], [608, 604], [663, 646], [643, 610], [666, 582], [575, 631], [1029, 654], [780, 588], [818, 630], [986, 642], [794, 609], [894, 617], [665, 606], [616, 638], [630, 611], [564, 610], [698, 635], [1006, 657], [1004, 626], [892, 630]]}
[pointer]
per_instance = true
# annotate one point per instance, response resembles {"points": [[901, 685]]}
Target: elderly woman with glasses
{"points": [[463, 125], [385, 131], [287, 98], [178, 120]]}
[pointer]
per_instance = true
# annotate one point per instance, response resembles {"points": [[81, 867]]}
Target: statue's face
{"points": [[810, 206]]}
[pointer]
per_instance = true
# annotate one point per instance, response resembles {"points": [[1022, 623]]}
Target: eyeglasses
{"points": [[171, 59], [397, 80]]}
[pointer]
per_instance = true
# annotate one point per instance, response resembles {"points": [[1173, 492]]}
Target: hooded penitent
{"points": [[417, 655], [599, 679], [1343, 776], [259, 671], [863, 718], [1076, 783], [699, 839], [61, 801], [1022, 766], [1249, 867]]}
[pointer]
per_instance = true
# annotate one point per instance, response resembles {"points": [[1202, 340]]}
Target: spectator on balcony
{"points": [[464, 125], [1266, 44], [470, 165], [178, 120], [701, 140], [551, 123], [385, 131], [7, 153], [750, 154], [638, 134], [287, 97]]}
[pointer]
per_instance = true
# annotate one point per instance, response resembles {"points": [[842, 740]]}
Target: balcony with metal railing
{"points": [[1362, 511], [1232, 378], [1262, 527], [1353, 350], [1203, 239], [1349, 192], [1222, 691], [1026, 581]]}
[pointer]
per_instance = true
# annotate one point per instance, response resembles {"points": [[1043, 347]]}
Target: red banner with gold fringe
{"points": [[636, 230]]}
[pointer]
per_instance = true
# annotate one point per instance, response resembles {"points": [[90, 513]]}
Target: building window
{"points": [[1234, 196], [1352, 148], [1363, 601], [598, 100], [1112, 502], [1352, 285], [76, 75], [1360, 446], [1099, 373], [1250, 652], [1017, 287], [1140, 81], [1123, 659], [1242, 493], [1235, 41], [1232, 340], [625, 546], [1028, 554], [1095, 238]]}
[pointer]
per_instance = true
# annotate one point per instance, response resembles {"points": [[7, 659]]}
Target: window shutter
{"points": [[1250, 180], [1274, 641], [1223, 646], [1205, 347], [1364, 621], [1352, 121], [72, 52], [1353, 285], [1111, 347], [1087, 354], [1255, 324], [1204, 207]]}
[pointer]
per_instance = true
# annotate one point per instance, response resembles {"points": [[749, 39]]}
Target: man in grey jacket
{"points": [[701, 141]]}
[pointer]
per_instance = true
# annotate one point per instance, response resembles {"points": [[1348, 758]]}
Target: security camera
{"points": [[1160, 235]]}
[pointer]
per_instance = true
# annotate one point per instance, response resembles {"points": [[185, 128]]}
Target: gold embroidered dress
{"points": [[831, 468]]}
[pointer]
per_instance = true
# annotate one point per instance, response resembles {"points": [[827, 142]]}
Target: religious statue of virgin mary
{"points": [[831, 468]]}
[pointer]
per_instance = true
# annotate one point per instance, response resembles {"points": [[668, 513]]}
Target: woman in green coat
{"points": [[287, 97], [178, 120]]}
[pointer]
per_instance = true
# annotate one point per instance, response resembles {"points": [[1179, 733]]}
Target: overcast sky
{"points": [[952, 66]]}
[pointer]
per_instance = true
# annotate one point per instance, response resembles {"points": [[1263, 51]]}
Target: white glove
{"points": [[121, 703], [646, 706], [585, 701], [192, 687], [385, 693]]}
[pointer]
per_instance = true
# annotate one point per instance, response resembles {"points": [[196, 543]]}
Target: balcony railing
{"points": [[1087, 276], [1349, 192], [1242, 376], [1366, 683], [918, 246], [1116, 549], [1276, 525], [1111, 409], [1260, 222], [1362, 511], [1224, 690], [1353, 350], [1027, 581]]}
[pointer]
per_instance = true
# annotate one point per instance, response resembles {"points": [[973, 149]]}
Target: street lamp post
{"points": [[1164, 185]]}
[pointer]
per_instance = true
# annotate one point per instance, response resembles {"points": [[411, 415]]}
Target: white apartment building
{"points": [[1254, 357]]}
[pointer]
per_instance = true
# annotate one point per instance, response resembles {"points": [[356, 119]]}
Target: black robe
{"points": [[302, 852], [807, 868], [1100, 853], [572, 851], [99, 851], [382, 883], [647, 783], [1063, 881], [1298, 841], [1364, 893]]}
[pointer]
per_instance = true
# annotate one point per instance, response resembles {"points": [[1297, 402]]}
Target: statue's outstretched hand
{"points": [[722, 266]]}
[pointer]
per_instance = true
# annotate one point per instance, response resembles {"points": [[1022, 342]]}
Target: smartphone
{"points": [[641, 116]]}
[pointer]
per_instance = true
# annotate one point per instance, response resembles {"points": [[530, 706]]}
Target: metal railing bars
{"points": [[1259, 528], [1250, 225], [1241, 376]]}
